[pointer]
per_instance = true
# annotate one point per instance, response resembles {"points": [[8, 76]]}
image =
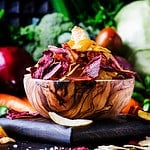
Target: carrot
{"points": [[16, 103], [132, 107]]}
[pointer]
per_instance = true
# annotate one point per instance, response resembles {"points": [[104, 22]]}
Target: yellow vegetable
{"points": [[4, 137], [144, 115], [2, 132]]}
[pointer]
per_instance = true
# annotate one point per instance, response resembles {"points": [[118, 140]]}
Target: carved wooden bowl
{"points": [[79, 99]]}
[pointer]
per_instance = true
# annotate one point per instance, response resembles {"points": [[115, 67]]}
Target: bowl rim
{"points": [[112, 80]]}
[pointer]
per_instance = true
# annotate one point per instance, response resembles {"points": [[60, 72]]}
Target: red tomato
{"points": [[132, 107], [109, 38]]}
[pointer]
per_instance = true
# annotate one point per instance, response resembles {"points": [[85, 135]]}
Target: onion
{"points": [[124, 63], [13, 64]]}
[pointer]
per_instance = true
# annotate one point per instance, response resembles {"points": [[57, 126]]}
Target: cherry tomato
{"points": [[109, 38]]}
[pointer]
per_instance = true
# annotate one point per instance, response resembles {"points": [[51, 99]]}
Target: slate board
{"points": [[100, 131]]}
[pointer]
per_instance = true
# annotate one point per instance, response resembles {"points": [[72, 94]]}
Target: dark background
{"points": [[26, 12], [21, 12]]}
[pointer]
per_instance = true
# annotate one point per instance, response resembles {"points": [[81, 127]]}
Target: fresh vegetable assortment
{"points": [[110, 28], [113, 28], [118, 17]]}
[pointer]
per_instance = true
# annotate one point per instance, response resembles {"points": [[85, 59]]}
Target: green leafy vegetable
{"points": [[36, 38], [147, 83], [146, 104], [2, 12], [142, 92], [135, 34], [96, 14], [140, 60], [103, 17], [3, 110], [133, 22], [60, 7]]}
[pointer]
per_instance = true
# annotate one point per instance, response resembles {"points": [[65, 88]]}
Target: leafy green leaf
{"points": [[146, 104], [139, 85], [3, 110], [138, 96], [2, 12], [147, 82], [60, 7]]}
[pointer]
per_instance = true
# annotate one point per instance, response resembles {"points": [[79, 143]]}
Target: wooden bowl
{"points": [[79, 99]]}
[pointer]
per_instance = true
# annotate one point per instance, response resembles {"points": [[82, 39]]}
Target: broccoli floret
{"points": [[44, 33], [28, 31], [49, 35], [50, 30], [50, 27], [30, 47], [66, 26], [52, 19], [64, 37], [38, 52]]}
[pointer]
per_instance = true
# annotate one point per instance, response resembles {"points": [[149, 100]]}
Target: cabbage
{"points": [[133, 26], [141, 61]]}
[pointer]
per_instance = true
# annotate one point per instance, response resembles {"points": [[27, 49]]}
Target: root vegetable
{"points": [[16, 103]]}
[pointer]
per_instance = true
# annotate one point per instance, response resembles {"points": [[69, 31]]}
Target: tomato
{"points": [[132, 107], [109, 38]]}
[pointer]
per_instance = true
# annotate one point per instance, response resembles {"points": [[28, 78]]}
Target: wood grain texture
{"points": [[79, 99]]}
